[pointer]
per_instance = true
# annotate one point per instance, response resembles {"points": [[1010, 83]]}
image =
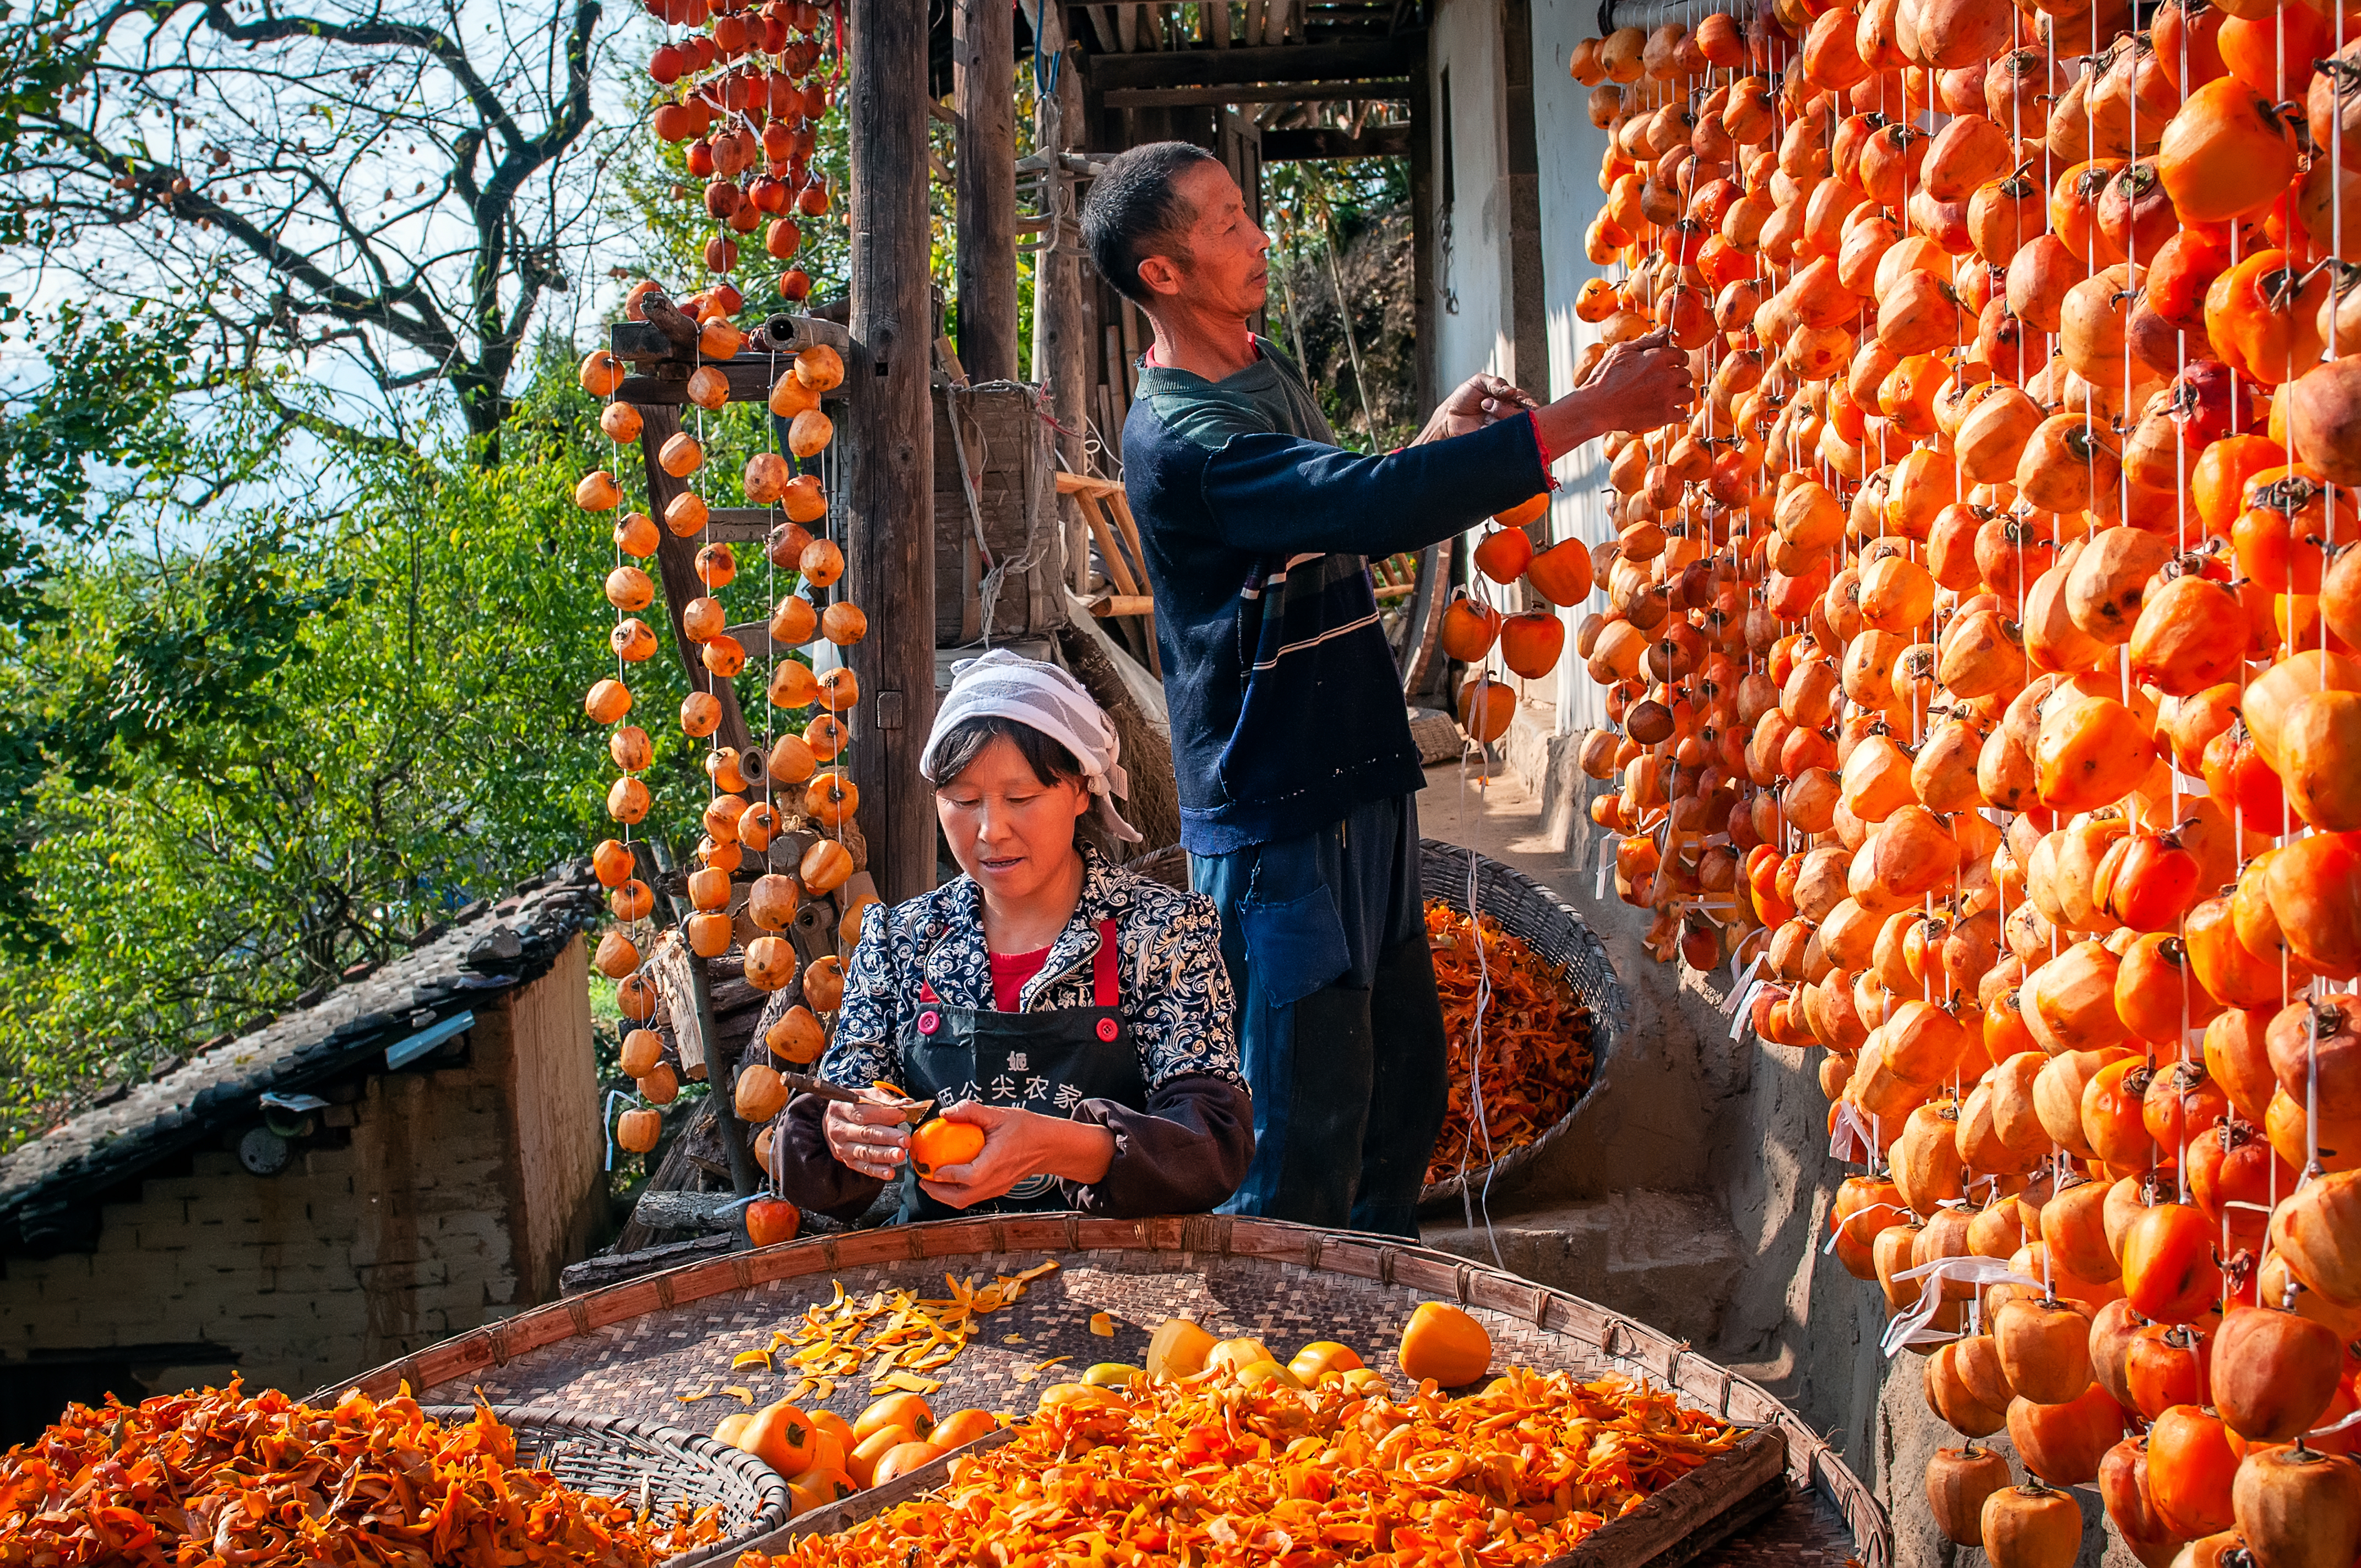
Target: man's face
{"points": [[1220, 267]]}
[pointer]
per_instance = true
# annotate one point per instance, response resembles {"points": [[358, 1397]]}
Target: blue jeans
{"points": [[1339, 1026]]}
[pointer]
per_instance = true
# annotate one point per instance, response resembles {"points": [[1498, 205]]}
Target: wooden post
{"points": [[888, 522], [983, 55], [1061, 327], [676, 564], [744, 1176]]}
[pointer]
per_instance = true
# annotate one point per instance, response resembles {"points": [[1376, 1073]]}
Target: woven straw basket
{"points": [[1526, 910], [648, 1464], [633, 1352]]}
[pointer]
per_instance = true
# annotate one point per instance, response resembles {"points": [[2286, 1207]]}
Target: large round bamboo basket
{"points": [[1526, 910], [634, 1350]]}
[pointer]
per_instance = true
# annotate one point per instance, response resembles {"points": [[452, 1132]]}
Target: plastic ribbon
{"points": [[1745, 1009], [1852, 1133], [1729, 1003], [1910, 1328], [1873, 1208]]}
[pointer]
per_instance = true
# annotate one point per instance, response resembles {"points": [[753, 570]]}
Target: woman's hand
{"points": [[870, 1138], [1019, 1144]]}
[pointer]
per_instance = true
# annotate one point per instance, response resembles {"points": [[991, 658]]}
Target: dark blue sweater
{"points": [[1287, 710]]}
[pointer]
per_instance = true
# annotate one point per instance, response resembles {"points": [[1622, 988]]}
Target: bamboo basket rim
{"points": [[1811, 1459]]}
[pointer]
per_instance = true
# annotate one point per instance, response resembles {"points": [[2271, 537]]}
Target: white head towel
{"points": [[1044, 697]]}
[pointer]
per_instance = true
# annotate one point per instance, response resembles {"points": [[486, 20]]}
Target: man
{"points": [[1297, 772]]}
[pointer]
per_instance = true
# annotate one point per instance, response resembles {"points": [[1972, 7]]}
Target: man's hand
{"points": [[1477, 403], [1645, 380]]}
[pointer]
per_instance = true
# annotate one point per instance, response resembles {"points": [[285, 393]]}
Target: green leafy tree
{"points": [[259, 758]]}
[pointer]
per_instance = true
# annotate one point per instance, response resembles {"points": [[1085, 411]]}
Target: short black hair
{"points": [[1132, 205], [1050, 762]]}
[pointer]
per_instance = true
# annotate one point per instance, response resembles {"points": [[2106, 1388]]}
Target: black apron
{"points": [[1047, 1062]]}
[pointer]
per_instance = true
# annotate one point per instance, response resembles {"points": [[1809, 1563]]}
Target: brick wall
{"points": [[353, 1255]]}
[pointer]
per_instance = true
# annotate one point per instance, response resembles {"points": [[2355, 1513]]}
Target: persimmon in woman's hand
{"points": [[1018, 1145]]}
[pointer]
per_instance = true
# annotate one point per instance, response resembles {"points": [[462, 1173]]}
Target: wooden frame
{"points": [[1108, 513]]}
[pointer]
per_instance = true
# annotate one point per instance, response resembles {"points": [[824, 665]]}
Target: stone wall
{"points": [[441, 1195]]}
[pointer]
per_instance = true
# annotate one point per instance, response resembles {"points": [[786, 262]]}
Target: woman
{"points": [[1079, 1015]]}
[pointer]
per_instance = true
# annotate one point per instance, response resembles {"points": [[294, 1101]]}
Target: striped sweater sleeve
{"points": [[1276, 494]]}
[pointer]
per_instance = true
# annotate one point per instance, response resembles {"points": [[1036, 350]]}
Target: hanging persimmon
{"points": [[716, 566], [681, 454], [630, 748], [826, 736], [821, 562], [793, 685], [636, 534], [839, 689], [843, 623], [809, 433], [831, 800], [597, 491]]}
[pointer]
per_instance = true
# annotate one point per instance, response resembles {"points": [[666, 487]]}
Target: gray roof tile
{"points": [[151, 1118]]}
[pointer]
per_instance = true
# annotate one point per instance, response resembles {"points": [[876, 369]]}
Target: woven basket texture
{"points": [[648, 1464]]}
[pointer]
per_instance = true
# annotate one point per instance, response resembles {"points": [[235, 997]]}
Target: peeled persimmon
{"points": [[937, 1143], [1442, 1343]]}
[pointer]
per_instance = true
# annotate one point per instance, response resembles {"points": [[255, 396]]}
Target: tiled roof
{"points": [[486, 949]]}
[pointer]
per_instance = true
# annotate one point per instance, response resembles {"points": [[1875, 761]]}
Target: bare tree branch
{"points": [[354, 178]]}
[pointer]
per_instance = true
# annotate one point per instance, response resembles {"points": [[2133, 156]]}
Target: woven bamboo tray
{"points": [[1525, 909], [647, 1463], [632, 1350]]}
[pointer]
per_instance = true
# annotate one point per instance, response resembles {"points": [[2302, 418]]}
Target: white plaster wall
{"points": [[1472, 264], [1471, 272]]}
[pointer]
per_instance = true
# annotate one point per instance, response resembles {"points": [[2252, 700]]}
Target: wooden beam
{"points": [[1331, 141], [639, 340], [888, 524], [1393, 88], [676, 566], [984, 48], [1287, 62]]}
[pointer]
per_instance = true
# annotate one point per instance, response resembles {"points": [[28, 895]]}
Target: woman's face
{"points": [[1007, 829]]}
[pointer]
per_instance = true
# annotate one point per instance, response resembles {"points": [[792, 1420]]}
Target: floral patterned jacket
{"points": [[1186, 1152]]}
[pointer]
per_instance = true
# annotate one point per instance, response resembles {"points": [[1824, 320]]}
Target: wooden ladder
{"points": [[1132, 597]]}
